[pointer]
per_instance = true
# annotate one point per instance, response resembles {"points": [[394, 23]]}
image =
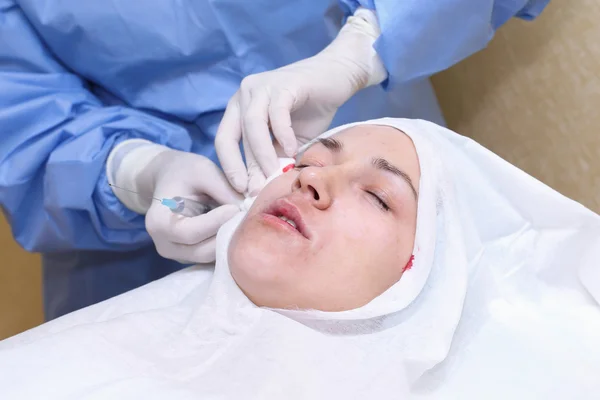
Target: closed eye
{"points": [[302, 166], [379, 201]]}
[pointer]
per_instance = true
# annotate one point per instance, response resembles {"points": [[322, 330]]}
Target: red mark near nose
{"points": [[409, 264], [288, 167]]}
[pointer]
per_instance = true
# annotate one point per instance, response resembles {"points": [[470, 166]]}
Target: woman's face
{"points": [[337, 230]]}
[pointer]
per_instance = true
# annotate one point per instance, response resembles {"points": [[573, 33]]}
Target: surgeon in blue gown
{"points": [[78, 79]]}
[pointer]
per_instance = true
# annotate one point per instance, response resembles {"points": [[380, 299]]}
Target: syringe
{"points": [[181, 205]]}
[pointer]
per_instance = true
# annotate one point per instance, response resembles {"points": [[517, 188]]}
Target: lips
{"points": [[289, 214]]}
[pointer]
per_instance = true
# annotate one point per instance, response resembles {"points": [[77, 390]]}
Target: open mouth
{"points": [[289, 221], [288, 214]]}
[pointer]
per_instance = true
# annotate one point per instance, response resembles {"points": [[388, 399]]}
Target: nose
{"points": [[313, 184]]}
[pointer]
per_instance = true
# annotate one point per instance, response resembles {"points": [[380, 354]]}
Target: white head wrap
{"points": [[482, 227]]}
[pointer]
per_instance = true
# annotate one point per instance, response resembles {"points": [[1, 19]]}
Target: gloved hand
{"points": [[157, 171], [298, 102]]}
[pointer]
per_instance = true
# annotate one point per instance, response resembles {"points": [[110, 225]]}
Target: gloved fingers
{"points": [[256, 183], [255, 128], [227, 145], [199, 253], [280, 110], [256, 176], [179, 260], [215, 185], [193, 230], [167, 228], [204, 252]]}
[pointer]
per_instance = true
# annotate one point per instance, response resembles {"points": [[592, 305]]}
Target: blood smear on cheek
{"points": [[409, 264]]}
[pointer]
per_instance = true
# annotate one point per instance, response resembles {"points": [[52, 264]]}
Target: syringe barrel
{"points": [[192, 208]]}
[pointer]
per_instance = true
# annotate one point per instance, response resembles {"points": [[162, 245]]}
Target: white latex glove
{"points": [[297, 102], [157, 171]]}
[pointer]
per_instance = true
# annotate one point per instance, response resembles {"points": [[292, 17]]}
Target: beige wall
{"points": [[533, 97], [20, 286]]}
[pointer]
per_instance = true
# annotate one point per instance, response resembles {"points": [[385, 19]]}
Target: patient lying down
{"points": [[337, 230], [397, 259]]}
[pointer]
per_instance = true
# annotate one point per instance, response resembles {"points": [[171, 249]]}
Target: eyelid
{"points": [[308, 163], [381, 196], [380, 201]]}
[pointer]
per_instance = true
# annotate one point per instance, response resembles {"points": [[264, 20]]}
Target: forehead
{"points": [[383, 139]]}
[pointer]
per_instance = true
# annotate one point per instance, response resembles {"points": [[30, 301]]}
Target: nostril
{"points": [[315, 193]]}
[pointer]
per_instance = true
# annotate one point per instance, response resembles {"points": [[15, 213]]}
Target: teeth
{"points": [[289, 221]]}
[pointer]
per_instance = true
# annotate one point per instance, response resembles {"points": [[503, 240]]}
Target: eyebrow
{"points": [[335, 146], [384, 165], [332, 144]]}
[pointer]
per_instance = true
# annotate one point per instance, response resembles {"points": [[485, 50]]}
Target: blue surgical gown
{"points": [[77, 77]]}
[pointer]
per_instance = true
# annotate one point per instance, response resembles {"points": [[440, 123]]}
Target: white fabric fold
{"points": [[499, 304]]}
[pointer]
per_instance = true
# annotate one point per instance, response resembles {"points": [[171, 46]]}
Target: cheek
{"points": [[364, 224], [369, 237], [237, 250]]}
